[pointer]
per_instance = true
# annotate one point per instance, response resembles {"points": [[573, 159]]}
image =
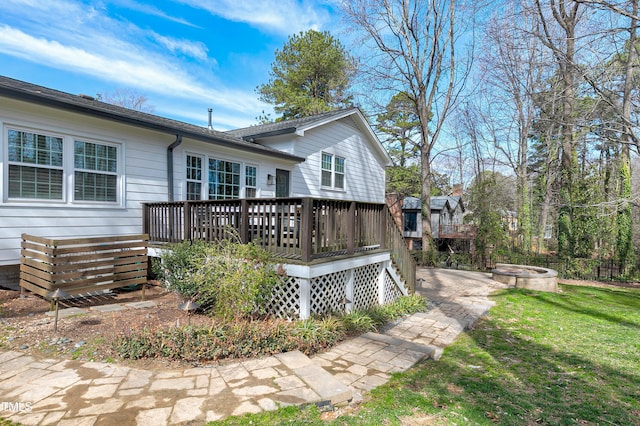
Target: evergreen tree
{"points": [[310, 75]]}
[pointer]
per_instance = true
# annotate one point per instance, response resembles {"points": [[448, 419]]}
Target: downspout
{"points": [[170, 149]]}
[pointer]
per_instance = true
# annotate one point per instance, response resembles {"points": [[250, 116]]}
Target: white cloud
{"points": [[152, 10], [127, 67], [193, 49], [280, 16]]}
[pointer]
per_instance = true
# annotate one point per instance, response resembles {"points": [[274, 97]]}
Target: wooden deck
{"points": [[301, 229], [462, 232]]}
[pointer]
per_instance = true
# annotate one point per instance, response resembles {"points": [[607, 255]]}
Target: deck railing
{"points": [[294, 228], [464, 231], [400, 253]]}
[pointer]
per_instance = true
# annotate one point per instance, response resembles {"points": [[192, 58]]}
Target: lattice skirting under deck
{"points": [[356, 287]]}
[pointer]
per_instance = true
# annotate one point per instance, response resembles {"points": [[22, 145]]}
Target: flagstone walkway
{"points": [[36, 391]]}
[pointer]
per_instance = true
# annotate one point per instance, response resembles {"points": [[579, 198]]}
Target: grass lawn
{"points": [[538, 358]]}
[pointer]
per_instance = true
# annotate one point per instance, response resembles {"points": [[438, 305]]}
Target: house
{"points": [[344, 160], [446, 220], [73, 166], [446, 215]]}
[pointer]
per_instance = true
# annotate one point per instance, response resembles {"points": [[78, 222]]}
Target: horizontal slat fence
{"points": [[82, 265]]}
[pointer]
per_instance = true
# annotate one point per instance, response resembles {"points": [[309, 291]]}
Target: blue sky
{"points": [[183, 55]]}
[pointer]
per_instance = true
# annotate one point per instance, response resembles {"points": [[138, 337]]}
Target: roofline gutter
{"points": [[41, 99], [170, 149]]}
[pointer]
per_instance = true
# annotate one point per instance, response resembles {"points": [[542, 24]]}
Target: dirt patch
{"points": [[88, 335]]}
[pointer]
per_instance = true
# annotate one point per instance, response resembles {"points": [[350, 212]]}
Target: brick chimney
{"points": [[456, 191]]}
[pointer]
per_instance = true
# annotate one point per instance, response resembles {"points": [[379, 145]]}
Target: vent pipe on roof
{"points": [[210, 122]]}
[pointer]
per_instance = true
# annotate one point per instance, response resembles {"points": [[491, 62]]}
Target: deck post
{"points": [[306, 234], [384, 214], [145, 218], [244, 221], [187, 221], [351, 228], [305, 298]]}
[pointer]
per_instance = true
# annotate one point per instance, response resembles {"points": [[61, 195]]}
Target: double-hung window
{"points": [[36, 167], [95, 172], [49, 167], [333, 170]]}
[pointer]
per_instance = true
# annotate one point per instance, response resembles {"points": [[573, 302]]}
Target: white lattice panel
{"points": [[285, 301], [328, 293], [365, 286], [391, 290]]}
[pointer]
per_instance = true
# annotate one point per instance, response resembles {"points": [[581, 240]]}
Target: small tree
{"points": [[310, 75]]}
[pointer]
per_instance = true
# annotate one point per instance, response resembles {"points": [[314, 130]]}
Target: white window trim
{"points": [[333, 187], [244, 179], [68, 168], [204, 190]]}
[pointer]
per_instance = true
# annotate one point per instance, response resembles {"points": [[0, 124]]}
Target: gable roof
{"points": [[23, 91], [438, 203], [299, 126]]}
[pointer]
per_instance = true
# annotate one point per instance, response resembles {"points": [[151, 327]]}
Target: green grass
{"points": [[538, 358]]}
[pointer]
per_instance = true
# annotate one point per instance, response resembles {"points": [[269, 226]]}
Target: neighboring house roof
{"points": [[411, 203], [299, 126], [23, 91], [438, 203]]}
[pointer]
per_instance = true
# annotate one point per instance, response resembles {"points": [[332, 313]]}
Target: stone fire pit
{"points": [[523, 276]]}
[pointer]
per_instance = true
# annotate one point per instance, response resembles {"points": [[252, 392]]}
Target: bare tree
{"points": [[512, 66], [411, 46], [127, 98]]}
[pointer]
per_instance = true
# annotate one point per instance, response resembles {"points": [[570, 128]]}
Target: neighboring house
{"points": [[446, 219], [73, 166], [446, 215], [412, 222]]}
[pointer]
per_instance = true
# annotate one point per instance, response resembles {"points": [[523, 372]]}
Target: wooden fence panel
{"points": [[83, 265]]}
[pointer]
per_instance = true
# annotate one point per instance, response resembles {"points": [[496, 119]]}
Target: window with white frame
{"points": [[224, 179], [333, 169], [38, 166], [194, 177], [95, 172], [250, 181], [216, 179]]}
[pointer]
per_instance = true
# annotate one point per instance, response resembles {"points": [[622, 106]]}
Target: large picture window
{"points": [[39, 164], [333, 170], [224, 179]]}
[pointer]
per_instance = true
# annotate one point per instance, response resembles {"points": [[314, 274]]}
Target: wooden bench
{"points": [[83, 265]]}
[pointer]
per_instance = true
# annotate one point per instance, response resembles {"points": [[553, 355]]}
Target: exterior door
{"points": [[282, 183]]}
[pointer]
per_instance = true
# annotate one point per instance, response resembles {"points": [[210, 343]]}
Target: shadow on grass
{"points": [[602, 311], [504, 372]]}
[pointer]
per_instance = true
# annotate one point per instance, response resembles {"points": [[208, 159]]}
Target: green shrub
{"points": [[243, 338], [228, 279]]}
